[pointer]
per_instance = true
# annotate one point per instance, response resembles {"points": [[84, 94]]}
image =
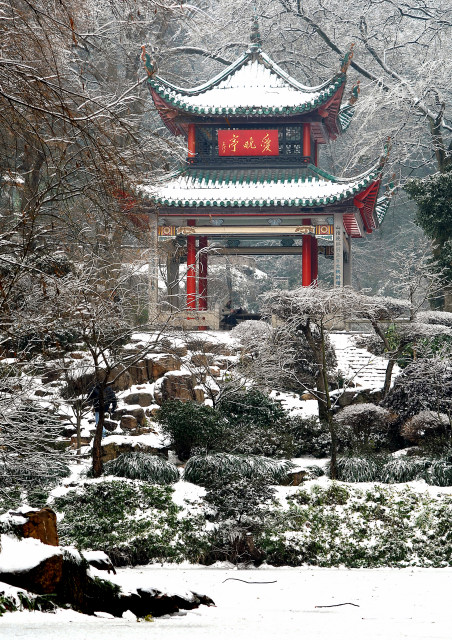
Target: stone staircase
{"points": [[360, 366]]}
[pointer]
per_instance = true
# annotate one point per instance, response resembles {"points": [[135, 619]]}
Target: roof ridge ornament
{"points": [[347, 59], [150, 66], [256, 40], [354, 93]]}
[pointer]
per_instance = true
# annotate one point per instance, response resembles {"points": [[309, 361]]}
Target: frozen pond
{"points": [[393, 604]]}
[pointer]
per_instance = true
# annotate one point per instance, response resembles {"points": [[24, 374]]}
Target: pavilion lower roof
{"points": [[263, 187]]}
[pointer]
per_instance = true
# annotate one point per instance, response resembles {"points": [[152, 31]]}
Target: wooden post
{"points": [[191, 268], [202, 274], [306, 139], [338, 275], [153, 268], [314, 260], [307, 261], [191, 141], [202, 277]]}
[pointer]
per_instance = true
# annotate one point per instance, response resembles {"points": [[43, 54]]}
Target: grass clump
{"points": [[211, 469], [142, 466]]}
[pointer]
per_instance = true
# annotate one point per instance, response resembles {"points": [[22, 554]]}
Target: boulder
{"points": [[122, 378], [142, 398], [296, 477], [199, 394], [139, 372], [214, 371], [41, 525], [152, 410], [159, 365], [111, 450], [202, 359], [131, 410], [128, 423], [110, 425], [175, 387], [84, 441]]}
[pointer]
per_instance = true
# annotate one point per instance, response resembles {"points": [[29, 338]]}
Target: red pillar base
{"points": [[306, 262]]}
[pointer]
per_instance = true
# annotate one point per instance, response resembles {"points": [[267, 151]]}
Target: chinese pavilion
{"points": [[253, 134]]}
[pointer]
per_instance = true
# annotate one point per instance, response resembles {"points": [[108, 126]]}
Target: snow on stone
{"points": [[17, 555], [359, 366]]}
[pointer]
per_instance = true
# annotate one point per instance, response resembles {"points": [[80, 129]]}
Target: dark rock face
{"points": [[111, 450], [42, 579], [66, 577]]}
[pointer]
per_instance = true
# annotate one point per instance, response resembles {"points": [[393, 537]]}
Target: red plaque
{"points": [[248, 142]]}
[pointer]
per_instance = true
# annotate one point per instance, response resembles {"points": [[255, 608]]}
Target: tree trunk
{"points": [[98, 466]]}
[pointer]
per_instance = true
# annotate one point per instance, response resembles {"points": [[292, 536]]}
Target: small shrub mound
{"points": [[426, 426], [403, 470], [142, 466], [363, 426], [357, 469], [439, 473], [208, 470]]}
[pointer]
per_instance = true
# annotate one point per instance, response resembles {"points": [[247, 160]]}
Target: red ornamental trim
{"points": [[248, 142]]}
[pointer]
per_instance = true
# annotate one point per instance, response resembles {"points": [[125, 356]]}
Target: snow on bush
{"points": [[142, 466], [363, 425], [426, 425], [205, 470]]}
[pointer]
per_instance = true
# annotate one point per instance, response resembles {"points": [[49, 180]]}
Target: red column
{"points": [[306, 139], [307, 262], [314, 259], [202, 274], [191, 141], [191, 268]]}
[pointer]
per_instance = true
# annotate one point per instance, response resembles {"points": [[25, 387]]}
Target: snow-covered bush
{"points": [[376, 527], [217, 467], [427, 426], [134, 522], [403, 469], [311, 437], [424, 384], [440, 473], [251, 333], [142, 466], [363, 426], [357, 469], [238, 506], [190, 426]]}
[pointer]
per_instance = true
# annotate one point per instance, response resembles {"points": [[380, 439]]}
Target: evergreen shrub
{"points": [[217, 467], [134, 522], [190, 426], [142, 466]]}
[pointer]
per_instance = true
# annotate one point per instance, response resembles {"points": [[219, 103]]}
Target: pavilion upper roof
{"points": [[252, 85]]}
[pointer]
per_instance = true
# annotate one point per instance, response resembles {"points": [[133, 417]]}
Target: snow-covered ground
{"points": [[393, 604]]}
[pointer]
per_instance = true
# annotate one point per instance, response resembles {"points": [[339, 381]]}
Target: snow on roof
{"points": [[252, 84], [257, 188]]}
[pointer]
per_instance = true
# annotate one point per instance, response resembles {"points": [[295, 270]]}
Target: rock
{"points": [[202, 359], [152, 410], [76, 355], [199, 394], [131, 410], [158, 365], [122, 378], [308, 396], [214, 371], [84, 441], [111, 450], [175, 387], [41, 577], [41, 393], [110, 425], [139, 372], [295, 478], [346, 398], [41, 525], [99, 560], [128, 423], [142, 398]]}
